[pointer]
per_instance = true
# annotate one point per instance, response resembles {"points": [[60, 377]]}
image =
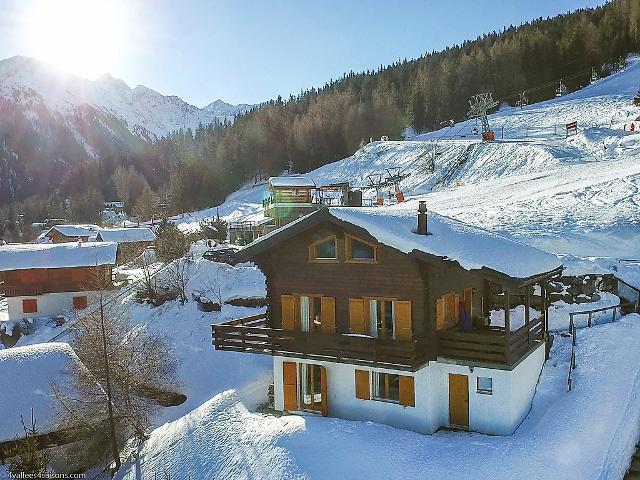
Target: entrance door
{"points": [[458, 400], [313, 388]]}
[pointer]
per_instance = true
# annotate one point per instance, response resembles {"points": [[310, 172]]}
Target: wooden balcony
{"points": [[252, 335], [22, 290], [491, 345]]}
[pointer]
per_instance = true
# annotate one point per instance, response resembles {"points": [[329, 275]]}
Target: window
{"points": [[386, 386], [484, 385], [30, 305], [382, 318], [324, 250], [359, 251], [80, 303]]}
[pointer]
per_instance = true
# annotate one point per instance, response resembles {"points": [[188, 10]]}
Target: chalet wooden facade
{"points": [[49, 279], [131, 241], [369, 320]]}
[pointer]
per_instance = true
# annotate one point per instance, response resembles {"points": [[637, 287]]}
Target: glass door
{"points": [[312, 393]]}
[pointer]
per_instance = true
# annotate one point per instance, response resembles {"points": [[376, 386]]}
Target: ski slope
{"points": [[578, 195]]}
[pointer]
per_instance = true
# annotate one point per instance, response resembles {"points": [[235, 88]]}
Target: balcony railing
{"points": [[251, 335], [21, 290], [491, 345]]}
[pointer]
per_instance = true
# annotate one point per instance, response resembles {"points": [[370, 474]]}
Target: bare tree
{"points": [[177, 276], [127, 373]]}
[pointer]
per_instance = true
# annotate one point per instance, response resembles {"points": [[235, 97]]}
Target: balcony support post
{"points": [[507, 327]]}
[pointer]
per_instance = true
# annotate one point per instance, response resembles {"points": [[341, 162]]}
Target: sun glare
{"points": [[81, 36]]}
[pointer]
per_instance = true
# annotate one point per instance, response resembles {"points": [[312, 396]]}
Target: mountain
{"points": [[146, 113], [223, 110]]}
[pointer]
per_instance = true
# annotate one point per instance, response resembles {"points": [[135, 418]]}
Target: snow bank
{"points": [[588, 433], [27, 374]]}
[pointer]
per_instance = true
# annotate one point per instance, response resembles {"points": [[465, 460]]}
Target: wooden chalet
{"points": [[131, 241], [374, 314], [49, 279], [70, 233], [289, 198]]}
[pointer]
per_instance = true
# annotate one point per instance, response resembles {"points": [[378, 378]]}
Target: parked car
{"points": [[222, 255]]}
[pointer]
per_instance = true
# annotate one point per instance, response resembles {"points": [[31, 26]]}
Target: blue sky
{"points": [[250, 51]]}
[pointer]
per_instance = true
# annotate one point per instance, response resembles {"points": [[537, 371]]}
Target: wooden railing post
{"points": [[527, 301]]}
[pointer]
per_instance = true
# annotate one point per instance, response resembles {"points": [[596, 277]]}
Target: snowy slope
{"points": [[577, 195], [565, 436], [145, 112]]}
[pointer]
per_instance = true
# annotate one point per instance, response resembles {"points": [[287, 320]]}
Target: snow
{"points": [[126, 235], [204, 371], [293, 181], [27, 373], [57, 255], [577, 195], [472, 247], [567, 435], [75, 230]]}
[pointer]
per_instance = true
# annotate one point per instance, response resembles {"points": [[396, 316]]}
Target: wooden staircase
{"points": [[634, 469]]}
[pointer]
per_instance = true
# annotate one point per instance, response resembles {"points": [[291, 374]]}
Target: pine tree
{"points": [[26, 458], [171, 243]]}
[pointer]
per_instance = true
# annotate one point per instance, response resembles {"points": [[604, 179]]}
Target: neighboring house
{"points": [[373, 316], [27, 376], [131, 241], [48, 279], [289, 198], [116, 207], [70, 233]]}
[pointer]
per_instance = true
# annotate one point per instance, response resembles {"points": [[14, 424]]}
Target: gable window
{"points": [[324, 251], [360, 251], [484, 385], [386, 386]]}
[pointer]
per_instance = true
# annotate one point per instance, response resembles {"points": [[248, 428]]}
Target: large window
{"points": [[324, 251], [359, 251], [381, 318], [386, 386]]}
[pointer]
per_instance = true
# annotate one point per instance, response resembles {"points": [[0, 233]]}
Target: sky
{"points": [[247, 51]]}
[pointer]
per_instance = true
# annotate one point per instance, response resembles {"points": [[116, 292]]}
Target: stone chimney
{"points": [[422, 219]]}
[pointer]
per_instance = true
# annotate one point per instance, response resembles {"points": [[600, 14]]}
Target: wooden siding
{"points": [[395, 275], [38, 281]]}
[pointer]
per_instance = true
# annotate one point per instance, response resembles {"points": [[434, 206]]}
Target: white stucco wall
{"points": [[49, 304], [498, 414]]}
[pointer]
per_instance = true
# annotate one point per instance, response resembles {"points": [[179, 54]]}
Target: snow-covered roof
{"points": [[57, 255], [27, 374], [472, 247], [294, 181], [126, 235], [75, 230]]}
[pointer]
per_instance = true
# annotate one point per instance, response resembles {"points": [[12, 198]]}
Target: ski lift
{"points": [[561, 90]]}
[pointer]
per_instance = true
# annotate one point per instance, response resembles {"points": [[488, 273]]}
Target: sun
{"points": [[84, 37]]}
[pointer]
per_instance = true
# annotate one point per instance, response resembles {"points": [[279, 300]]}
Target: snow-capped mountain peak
{"points": [[145, 112]]}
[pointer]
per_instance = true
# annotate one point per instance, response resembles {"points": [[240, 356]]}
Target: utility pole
{"points": [[479, 105]]}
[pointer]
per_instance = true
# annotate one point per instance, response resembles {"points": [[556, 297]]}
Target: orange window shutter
{"points": [[356, 316], [80, 303], [328, 315], [440, 325], [407, 391], [290, 385], [403, 320], [362, 385], [288, 312], [30, 305]]}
